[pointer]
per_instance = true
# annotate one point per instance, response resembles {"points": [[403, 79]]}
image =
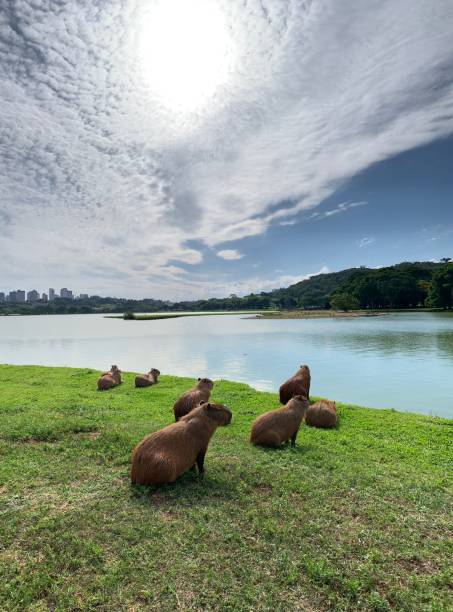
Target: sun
{"points": [[185, 52]]}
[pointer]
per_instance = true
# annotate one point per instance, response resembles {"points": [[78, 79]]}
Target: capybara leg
{"points": [[193, 468], [200, 462], [293, 438]]}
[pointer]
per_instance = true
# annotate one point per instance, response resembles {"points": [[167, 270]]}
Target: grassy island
{"points": [[132, 316], [317, 314], [356, 518]]}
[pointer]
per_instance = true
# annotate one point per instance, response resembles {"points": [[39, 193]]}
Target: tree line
{"points": [[405, 285]]}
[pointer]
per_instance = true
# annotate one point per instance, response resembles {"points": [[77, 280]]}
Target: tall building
{"points": [[51, 294], [20, 295], [12, 296], [2, 296], [44, 297], [32, 296], [66, 293], [83, 296]]}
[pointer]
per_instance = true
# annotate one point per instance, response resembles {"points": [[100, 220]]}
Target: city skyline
{"points": [[32, 295]]}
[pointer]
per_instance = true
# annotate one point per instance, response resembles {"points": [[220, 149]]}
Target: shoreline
{"points": [[192, 380], [267, 313]]}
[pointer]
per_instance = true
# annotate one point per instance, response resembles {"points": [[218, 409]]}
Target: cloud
{"points": [[108, 184], [291, 222], [230, 254], [206, 287], [343, 207], [366, 241]]}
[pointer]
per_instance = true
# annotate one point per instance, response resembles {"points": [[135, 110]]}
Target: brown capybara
{"points": [[166, 454], [146, 380], [193, 398], [110, 379], [322, 414], [299, 384], [278, 426]]}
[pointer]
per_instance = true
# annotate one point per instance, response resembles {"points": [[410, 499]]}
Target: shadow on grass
{"points": [[188, 490]]}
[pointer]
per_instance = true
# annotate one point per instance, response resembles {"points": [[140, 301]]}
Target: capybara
{"points": [[193, 397], [166, 454], [277, 426], [110, 379], [299, 384], [146, 380], [322, 414]]}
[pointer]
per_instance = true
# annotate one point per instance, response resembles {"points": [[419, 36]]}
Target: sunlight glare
{"points": [[185, 52]]}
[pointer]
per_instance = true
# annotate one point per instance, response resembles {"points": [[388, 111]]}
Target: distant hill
{"points": [[313, 292], [403, 285]]}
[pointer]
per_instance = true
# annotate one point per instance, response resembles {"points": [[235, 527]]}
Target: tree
{"points": [[344, 301], [440, 294]]}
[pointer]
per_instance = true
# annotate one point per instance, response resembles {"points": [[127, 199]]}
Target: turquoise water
{"points": [[402, 361]]}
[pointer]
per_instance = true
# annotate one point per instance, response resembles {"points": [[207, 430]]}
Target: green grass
{"points": [[356, 518]]}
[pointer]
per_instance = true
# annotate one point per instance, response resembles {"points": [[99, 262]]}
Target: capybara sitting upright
{"points": [[146, 380], [166, 454], [278, 426], [322, 414], [110, 379], [193, 397], [299, 384]]}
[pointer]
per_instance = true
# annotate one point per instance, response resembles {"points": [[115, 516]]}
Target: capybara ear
{"points": [[199, 378]]}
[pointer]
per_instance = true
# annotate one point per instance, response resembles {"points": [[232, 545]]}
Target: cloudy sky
{"points": [[170, 149]]}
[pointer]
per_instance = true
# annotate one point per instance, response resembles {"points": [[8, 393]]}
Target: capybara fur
{"points": [[166, 454], [278, 426], [322, 414], [193, 398], [110, 379], [146, 380], [299, 384]]}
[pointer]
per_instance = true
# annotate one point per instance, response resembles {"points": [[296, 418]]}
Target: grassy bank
{"points": [[356, 518]]}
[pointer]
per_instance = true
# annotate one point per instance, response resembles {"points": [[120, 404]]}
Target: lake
{"points": [[402, 361]]}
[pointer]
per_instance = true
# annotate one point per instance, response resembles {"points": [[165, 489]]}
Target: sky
{"points": [[176, 150]]}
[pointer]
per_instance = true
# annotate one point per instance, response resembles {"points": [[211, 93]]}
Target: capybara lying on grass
{"points": [[146, 380], [166, 454], [110, 379], [278, 426], [193, 397], [322, 414], [299, 384]]}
